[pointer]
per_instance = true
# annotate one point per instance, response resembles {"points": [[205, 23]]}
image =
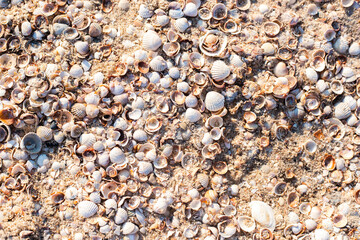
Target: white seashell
{"points": [[312, 75], [192, 115], [263, 214], [341, 45], [190, 10], [140, 135], [310, 146], [92, 98], [121, 216], [321, 85], [181, 24], [145, 168], [329, 34], [116, 88], [129, 228], [205, 14], [352, 120], [310, 224], [82, 47], [347, 3], [183, 87], [235, 60], [347, 72], [219, 70], [158, 64], [321, 234], [151, 41], [160, 206], [207, 139], [337, 87], [117, 156], [312, 9], [76, 71], [350, 101], [71, 193], [246, 223], [342, 111], [214, 101], [26, 28], [354, 49], [191, 101], [87, 209], [44, 133], [141, 55], [144, 12], [139, 103], [87, 139], [280, 70], [176, 13], [95, 197], [268, 48], [162, 20], [174, 73]]}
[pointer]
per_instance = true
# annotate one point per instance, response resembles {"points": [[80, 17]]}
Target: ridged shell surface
{"points": [[121, 216], [219, 70], [214, 101], [87, 209], [78, 110], [158, 64], [87, 139], [145, 168], [140, 135], [263, 214], [44, 133], [342, 111], [151, 41], [117, 155]]}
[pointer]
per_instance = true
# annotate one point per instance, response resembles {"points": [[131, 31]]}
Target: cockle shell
{"points": [[354, 49], [219, 70], [221, 46], [341, 45], [246, 223], [192, 115], [263, 214], [140, 135], [342, 111], [145, 168], [144, 11], [44, 133], [214, 101], [158, 64], [78, 110], [87, 209], [129, 228], [82, 48], [160, 206], [190, 10], [181, 24], [87, 139], [32, 143], [121, 216], [117, 156], [151, 41]]}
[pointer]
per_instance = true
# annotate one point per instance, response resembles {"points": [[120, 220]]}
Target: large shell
{"points": [[32, 143], [219, 70], [214, 101], [151, 41], [263, 214], [87, 209]]}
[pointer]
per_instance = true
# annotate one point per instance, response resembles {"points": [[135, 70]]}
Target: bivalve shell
{"points": [[342, 111], [31, 143], [214, 101], [87, 209], [117, 156], [192, 115], [158, 64], [151, 41], [263, 214], [181, 24], [246, 223], [44, 133], [219, 70]]}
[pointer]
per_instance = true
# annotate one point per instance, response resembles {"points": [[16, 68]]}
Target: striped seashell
{"points": [[350, 101], [44, 133], [121, 216], [87, 209], [191, 101], [117, 156], [87, 139], [158, 64], [129, 228], [192, 115], [162, 20], [203, 179], [95, 197], [144, 12], [95, 30], [342, 111], [214, 101], [151, 41], [92, 98], [181, 24], [141, 55], [140, 135], [219, 70], [145, 168], [235, 60], [78, 110]]}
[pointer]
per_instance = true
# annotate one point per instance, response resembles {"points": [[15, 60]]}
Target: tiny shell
{"points": [[151, 41], [140, 135], [219, 70], [203, 179], [243, 5], [271, 29], [82, 48], [145, 168], [129, 228], [214, 101], [329, 34], [263, 214], [87, 209]]}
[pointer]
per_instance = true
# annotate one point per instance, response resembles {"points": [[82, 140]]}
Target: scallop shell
{"points": [[342, 111], [214, 101], [192, 115], [44, 133], [31, 142], [87, 209], [203, 179], [246, 223], [263, 214], [151, 41], [219, 70]]}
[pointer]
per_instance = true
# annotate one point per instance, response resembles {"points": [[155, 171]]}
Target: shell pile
{"points": [[189, 119]]}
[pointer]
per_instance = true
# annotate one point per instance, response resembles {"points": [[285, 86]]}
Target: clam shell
{"points": [[151, 41], [354, 49], [192, 115], [329, 34], [203, 179], [342, 111], [347, 3], [160, 206], [246, 223], [181, 24], [140, 135], [5, 133], [219, 11], [31, 142], [144, 12], [145, 168], [341, 45], [158, 64], [82, 48], [95, 30], [214, 101], [204, 13], [222, 38], [162, 20], [281, 70], [219, 70], [243, 5], [44, 133], [271, 29], [117, 156], [311, 74], [190, 10], [263, 214], [191, 101], [87, 209], [121, 216]]}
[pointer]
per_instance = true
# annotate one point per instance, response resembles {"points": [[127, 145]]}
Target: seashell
{"points": [[266, 233], [357, 196], [214, 101], [271, 29], [347, 72], [214, 121], [354, 49], [87, 140], [31, 143], [5, 133], [243, 5], [280, 188], [87, 209], [341, 45], [227, 228], [171, 49], [176, 13], [305, 208], [213, 43], [140, 135], [219, 70], [329, 34], [336, 87], [153, 124], [342, 111], [121, 216], [117, 156], [196, 60], [145, 12], [95, 30], [78, 110], [7, 61], [57, 197], [310, 146], [311, 74], [89, 155], [133, 203], [181, 24], [219, 11], [220, 167], [321, 234], [204, 13], [26, 28], [203, 179], [209, 151], [44, 133], [329, 162], [70, 33], [190, 10], [350, 101], [160, 162], [145, 168], [293, 199], [281, 90], [160, 206], [318, 63], [280, 70], [191, 231], [82, 48], [192, 115], [49, 9], [312, 9], [263, 214], [246, 224], [347, 3], [158, 64], [162, 20]]}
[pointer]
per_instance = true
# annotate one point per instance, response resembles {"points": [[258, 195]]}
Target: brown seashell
{"points": [[329, 162], [357, 196], [142, 66], [107, 5], [293, 199], [89, 155], [7, 115], [49, 9], [285, 53], [220, 167], [280, 188], [211, 194], [107, 188], [57, 198], [105, 50], [266, 234], [63, 116], [177, 97], [95, 30], [171, 49], [111, 171], [134, 202]]}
